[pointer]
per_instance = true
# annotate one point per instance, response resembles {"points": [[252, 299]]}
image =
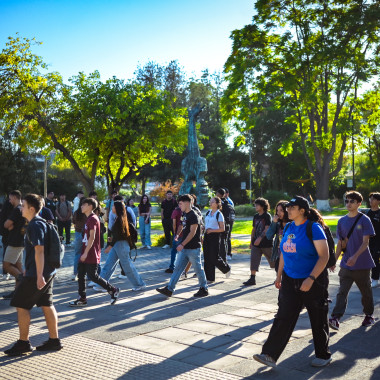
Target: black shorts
{"points": [[27, 295]]}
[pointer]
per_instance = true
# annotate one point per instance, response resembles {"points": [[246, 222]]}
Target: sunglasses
{"points": [[346, 201]]}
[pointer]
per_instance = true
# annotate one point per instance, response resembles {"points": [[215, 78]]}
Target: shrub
{"points": [[245, 210], [158, 240]]}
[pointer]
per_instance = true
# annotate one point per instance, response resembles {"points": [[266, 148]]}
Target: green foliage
{"points": [[245, 210], [158, 240], [310, 57], [275, 196]]}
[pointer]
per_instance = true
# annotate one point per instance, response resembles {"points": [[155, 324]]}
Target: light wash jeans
{"points": [[183, 257], [120, 252], [145, 231], [77, 250], [173, 253]]}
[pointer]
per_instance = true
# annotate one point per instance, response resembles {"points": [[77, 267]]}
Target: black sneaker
{"points": [[50, 345], [80, 302], [115, 295], [169, 270], [202, 292], [8, 296], [21, 347], [165, 291], [251, 281]]}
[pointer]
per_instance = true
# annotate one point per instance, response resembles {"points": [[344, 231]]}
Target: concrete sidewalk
{"points": [[146, 336]]}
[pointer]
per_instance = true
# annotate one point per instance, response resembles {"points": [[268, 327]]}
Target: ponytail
{"points": [[314, 216]]}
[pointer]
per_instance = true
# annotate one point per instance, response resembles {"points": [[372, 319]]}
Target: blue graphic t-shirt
{"points": [[299, 253]]}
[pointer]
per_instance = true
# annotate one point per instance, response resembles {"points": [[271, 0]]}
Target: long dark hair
{"points": [[121, 222], [283, 204], [147, 200], [79, 215], [314, 216]]}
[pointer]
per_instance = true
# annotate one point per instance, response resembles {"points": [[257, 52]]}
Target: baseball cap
{"points": [[299, 201]]}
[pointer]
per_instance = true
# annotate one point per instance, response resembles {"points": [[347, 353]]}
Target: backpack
{"points": [[217, 215], [54, 250], [330, 241], [228, 212]]}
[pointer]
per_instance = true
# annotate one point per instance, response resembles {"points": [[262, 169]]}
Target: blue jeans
{"points": [[77, 250], [174, 252], [144, 231], [120, 252], [183, 257]]}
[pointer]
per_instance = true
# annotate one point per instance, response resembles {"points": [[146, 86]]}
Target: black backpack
{"points": [[330, 241], [228, 212], [217, 215], [53, 248]]}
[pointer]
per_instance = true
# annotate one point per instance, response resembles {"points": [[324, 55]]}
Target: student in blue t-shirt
{"points": [[303, 280]]}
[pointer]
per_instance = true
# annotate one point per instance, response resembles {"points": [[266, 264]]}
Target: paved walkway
{"points": [[146, 336]]}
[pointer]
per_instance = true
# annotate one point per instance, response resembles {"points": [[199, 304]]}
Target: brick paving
{"points": [[146, 335]]}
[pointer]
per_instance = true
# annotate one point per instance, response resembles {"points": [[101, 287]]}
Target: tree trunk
{"points": [[322, 193]]}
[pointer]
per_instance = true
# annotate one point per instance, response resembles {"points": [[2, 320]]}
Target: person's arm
{"points": [[323, 257], [272, 230], [90, 242], [162, 211], [252, 237], [352, 260], [174, 224], [40, 262], [57, 213], [277, 282], [220, 229], [9, 224], [147, 219], [193, 230], [69, 213]]}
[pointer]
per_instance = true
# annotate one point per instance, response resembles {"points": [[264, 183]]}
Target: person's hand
{"points": [[352, 261], [83, 257], [332, 269], [306, 285], [107, 250], [275, 218], [258, 241], [180, 248], [277, 283], [176, 238], [208, 231], [40, 282]]}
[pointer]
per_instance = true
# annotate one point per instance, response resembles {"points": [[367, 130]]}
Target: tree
{"points": [[112, 128], [312, 56]]}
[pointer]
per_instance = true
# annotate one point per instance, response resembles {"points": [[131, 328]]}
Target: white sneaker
{"points": [[166, 246], [8, 276], [139, 288], [149, 247], [317, 362], [74, 277], [99, 289], [144, 246], [374, 283], [122, 276], [228, 274], [91, 284]]}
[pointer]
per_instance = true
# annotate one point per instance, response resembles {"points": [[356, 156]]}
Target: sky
{"points": [[115, 36]]}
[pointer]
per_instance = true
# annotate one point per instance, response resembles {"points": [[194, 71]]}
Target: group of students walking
{"points": [[304, 255], [294, 242]]}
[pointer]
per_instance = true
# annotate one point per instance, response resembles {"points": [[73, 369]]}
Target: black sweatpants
{"points": [[291, 302], [167, 224], [375, 253], [229, 247], [92, 273], [212, 258]]}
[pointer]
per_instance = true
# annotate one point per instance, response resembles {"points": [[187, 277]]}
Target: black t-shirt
{"points": [[188, 219], [260, 222], [49, 203], [35, 235], [168, 207], [16, 234], [374, 241]]}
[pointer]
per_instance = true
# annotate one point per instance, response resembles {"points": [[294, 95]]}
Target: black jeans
{"points": [[92, 273], [291, 302], [64, 225], [168, 230], [212, 259], [229, 253]]}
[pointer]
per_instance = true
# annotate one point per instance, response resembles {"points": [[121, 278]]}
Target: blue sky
{"points": [[114, 36]]}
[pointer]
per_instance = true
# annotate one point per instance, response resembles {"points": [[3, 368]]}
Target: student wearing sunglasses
{"points": [[353, 232]]}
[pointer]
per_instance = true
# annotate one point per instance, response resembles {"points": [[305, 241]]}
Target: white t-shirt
{"points": [[212, 222]]}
